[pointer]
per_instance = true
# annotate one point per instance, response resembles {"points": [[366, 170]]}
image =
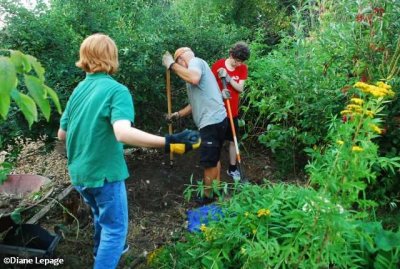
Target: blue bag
{"points": [[202, 215]]}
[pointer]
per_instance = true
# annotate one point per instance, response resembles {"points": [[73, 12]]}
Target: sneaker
{"points": [[125, 250], [204, 200], [235, 175]]}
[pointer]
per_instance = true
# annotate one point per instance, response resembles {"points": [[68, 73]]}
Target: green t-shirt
{"points": [[94, 154]]}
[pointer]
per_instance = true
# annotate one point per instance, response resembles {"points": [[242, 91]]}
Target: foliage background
{"points": [[305, 55]]}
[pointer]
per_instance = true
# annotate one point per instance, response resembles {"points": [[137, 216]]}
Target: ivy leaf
{"points": [[54, 97], [27, 106], [20, 61], [38, 92], [8, 81]]}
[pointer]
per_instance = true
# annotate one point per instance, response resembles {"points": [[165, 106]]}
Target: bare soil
{"points": [[157, 208]]}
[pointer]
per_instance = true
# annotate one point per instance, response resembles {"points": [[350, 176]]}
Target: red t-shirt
{"points": [[240, 73]]}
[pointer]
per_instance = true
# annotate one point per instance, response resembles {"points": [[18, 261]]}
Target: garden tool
{"points": [[168, 78], [239, 161]]}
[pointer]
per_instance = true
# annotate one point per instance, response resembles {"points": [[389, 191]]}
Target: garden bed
{"points": [[157, 209]]}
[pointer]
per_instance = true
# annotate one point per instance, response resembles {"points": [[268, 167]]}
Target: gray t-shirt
{"points": [[205, 98]]}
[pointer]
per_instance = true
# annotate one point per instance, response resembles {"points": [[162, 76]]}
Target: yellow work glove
{"points": [[182, 142]]}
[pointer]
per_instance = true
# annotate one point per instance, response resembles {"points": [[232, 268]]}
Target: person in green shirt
{"points": [[97, 121]]}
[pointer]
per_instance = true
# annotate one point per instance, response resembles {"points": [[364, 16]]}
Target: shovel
{"points": [[243, 179], [168, 82]]}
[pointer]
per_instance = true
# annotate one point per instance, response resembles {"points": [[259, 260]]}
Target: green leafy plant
{"points": [[17, 70], [344, 168], [293, 91], [281, 226], [19, 67]]}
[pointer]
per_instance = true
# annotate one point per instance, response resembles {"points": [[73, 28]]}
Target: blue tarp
{"points": [[202, 215]]}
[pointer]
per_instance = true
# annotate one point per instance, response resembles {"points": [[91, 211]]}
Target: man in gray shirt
{"points": [[205, 105]]}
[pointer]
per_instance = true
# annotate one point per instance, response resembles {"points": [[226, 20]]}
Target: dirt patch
{"points": [[157, 209]]}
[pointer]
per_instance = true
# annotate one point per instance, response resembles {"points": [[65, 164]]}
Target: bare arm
{"points": [[238, 86], [189, 75], [135, 137], [187, 110]]}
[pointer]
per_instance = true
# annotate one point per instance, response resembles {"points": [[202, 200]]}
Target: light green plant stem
{"points": [[305, 249], [69, 213], [393, 63], [219, 253]]}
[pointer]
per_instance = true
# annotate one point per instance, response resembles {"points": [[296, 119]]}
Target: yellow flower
{"points": [[340, 142], [357, 149], [343, 112], [203, 228], [376, 129], [380, 90], [361, 85], [381, 84], [263, 212], [353, 107], [357, 101], [210, 234], [369, 113], [254, 231], [246, 214]]}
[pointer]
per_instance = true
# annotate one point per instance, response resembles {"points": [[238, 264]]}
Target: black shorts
{"points": [[212, 140], [228, 134]]}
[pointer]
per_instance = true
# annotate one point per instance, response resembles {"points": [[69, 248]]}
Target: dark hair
{"points": [[240, 51]]}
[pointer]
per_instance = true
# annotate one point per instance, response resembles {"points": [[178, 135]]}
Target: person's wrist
{"points": [[167, 144]]}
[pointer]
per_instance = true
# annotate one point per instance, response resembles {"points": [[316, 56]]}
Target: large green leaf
{"points": [[36, 66], [54, 97], [27, 106], [8, 81], [38, 92], [20, 61], [4, 104]]}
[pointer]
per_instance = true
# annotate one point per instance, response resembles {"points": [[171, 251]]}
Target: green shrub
{"points": [[294, 90], [282, 226]]}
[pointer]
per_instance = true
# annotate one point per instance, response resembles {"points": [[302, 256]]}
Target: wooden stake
{"points": [[169, 100]]}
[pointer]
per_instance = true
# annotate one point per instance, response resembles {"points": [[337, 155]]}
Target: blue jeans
{"points": [[110, 215]]}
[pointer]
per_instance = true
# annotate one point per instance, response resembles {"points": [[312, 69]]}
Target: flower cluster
{"points": [[203, 228], [208, 232], [380, 90], [263, 212], [355, 107], [376, 128], [357, 149]]}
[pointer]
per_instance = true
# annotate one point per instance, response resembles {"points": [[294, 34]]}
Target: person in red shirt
{"points": [[236, 74]]}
